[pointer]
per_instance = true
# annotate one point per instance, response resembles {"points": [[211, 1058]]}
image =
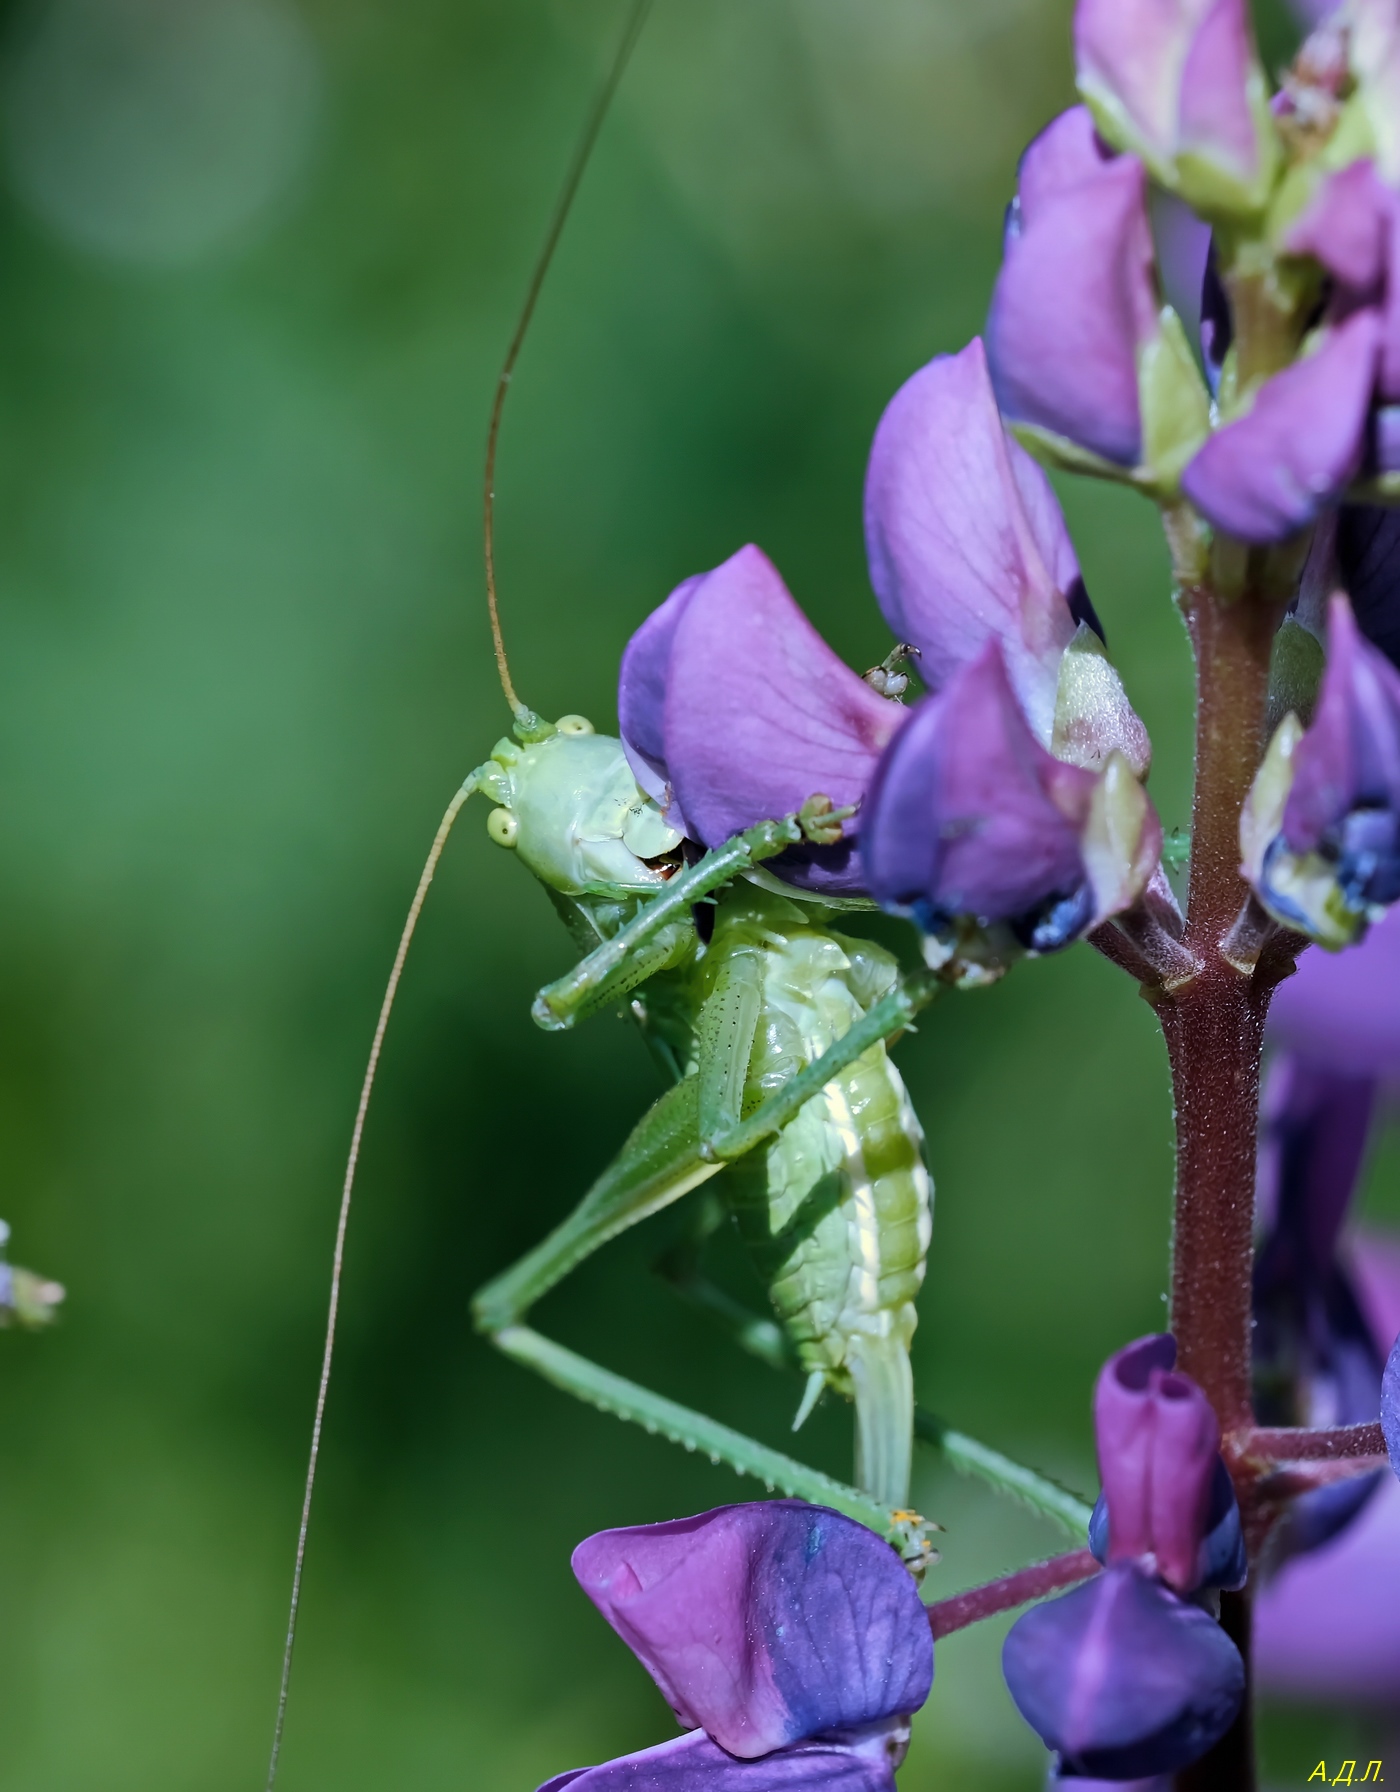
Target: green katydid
{"points": [[773, 1035]]}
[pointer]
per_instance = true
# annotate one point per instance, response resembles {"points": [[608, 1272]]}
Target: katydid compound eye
{"points": [[574, 725], [503, 827]]}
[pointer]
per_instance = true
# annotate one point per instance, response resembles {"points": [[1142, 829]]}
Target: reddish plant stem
{"points": [[1338, 1445], [1214, 1025], [1214, 1029], [948, 1615]]}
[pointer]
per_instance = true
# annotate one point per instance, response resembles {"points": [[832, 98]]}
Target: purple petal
{"points": [[1072, 1783], [1327, 1626], [695, 1764], [1215, 121], [1315, 1123], [641, 691], [965, 537], [970, 816], [1075, 299], [1158, 1443], [1122, 1677], [1342, 1009], [1368, 566], [1390, 336], [1315, 1360], [1345, 227], [1271, 472], [1390, 1406], [1347, 765], [1134, 50], [760, 715], [765, 1623], [1183, 250]]}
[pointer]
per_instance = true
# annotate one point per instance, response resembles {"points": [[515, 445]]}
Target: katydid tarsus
{"points": [[782, 1112]]}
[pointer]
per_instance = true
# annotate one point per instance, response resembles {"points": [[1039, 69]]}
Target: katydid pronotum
{"points": [[783, 1109]]}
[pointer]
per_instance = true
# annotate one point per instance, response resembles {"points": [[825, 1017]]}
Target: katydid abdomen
{"points": [[836, 1211]]}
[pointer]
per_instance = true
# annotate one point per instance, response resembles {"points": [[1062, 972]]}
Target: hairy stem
{"points": [[1214, 1028], [1004, 1595]]}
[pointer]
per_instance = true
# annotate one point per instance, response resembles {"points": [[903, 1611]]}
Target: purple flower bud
{"points": [[641, 695], [1341, 1011], [1368, 568], [765, 1624], [1075, 302], [1315, 1360], [1178, 83], [1341, 822], [971, 822], [1159, 1445], [1375, 64], [966, 540], [1327, 1624], [1123, 1677], [731, 699], [695, 1764], [1271, 472], [1346, 226], [1072, 1783], [967, 545]]}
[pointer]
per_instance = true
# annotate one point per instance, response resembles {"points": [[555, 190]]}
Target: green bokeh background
{"points": [[243, 664]]}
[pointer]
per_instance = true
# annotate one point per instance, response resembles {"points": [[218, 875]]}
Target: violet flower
{"points": [[1327, 1619], [967, 545], [989, 842], [1311, 429], [1129, 1675], [1316, 1360], [1178, 83], [789, 1640], [1075, 304], [1320, 832], [1274, 470], [1327, 1624], [733, 710]]}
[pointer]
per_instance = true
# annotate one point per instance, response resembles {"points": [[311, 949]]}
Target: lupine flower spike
{"points": [[1130, 1675], [789, 1641]]}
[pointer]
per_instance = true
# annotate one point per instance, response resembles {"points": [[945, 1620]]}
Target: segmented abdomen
{"points": [[837, 1211]]}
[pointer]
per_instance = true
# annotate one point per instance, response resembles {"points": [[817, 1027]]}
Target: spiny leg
{"points": [[659, 1163], [562, 1002], [891, 1015], [693, 1431], [682, 1267]]}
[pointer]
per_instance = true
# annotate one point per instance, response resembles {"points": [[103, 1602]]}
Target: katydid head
{"points": [[570, 806]]}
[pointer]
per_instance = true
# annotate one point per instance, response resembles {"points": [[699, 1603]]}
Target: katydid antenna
{"points": [[583, 149]]}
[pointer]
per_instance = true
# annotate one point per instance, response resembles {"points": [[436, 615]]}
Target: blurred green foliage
{"points": [[245, 663]]}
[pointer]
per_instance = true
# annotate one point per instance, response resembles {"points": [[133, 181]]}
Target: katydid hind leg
{"points": [[724, 1036], [659, 1163]]}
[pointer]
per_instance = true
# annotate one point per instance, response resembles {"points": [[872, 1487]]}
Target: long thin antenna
{"points": [[636, 19], [347, 1189]]}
